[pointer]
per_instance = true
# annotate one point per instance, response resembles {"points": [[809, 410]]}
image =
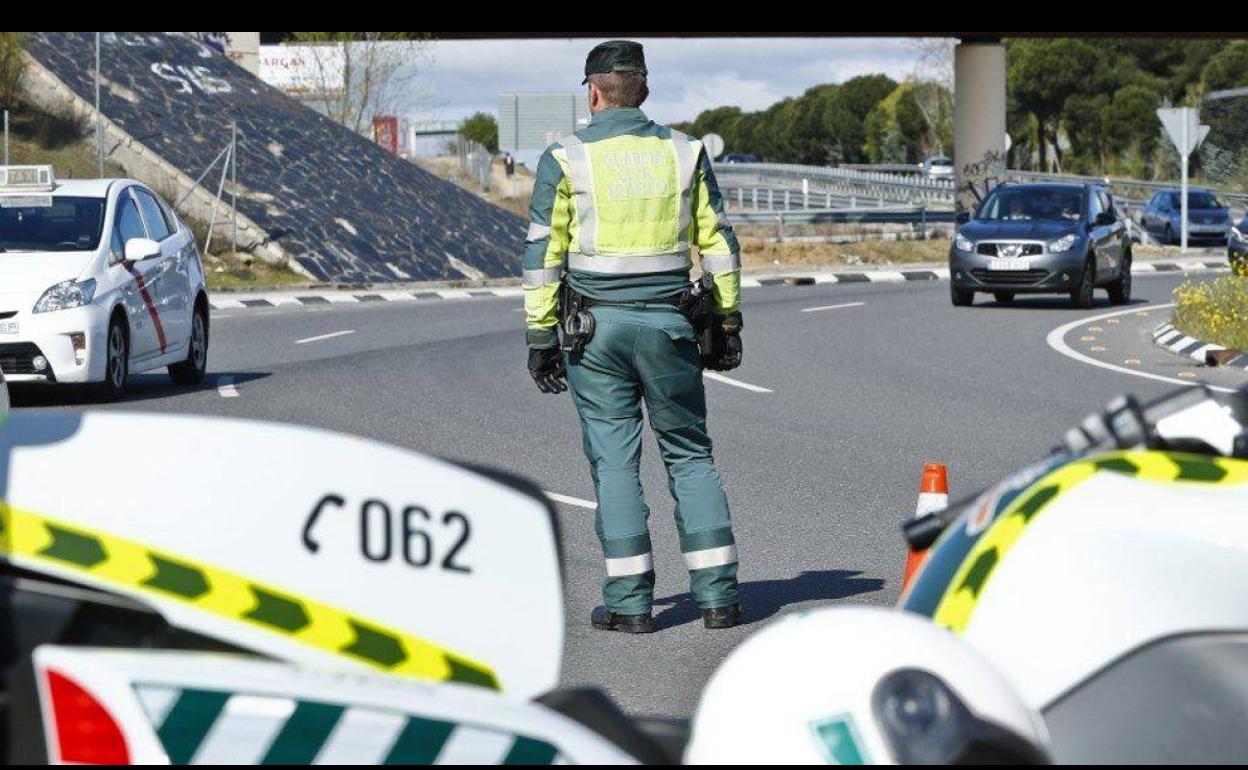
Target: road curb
{"points": [[1207, 353], [238, 301]]}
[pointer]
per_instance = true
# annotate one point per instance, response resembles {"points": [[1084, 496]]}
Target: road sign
{"points": [[714, 144], [1183, 126]]}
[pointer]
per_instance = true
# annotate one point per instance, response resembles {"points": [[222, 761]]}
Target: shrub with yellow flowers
{"points": [[1216, 311]]}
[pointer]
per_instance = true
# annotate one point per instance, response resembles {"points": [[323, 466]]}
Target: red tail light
{"points": [[85, 732]]}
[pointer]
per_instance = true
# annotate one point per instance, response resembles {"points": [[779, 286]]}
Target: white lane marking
{"points": [[736, 383], [567, 500], [832, 307], [1057, 341], [320, 337], [226, 387]]}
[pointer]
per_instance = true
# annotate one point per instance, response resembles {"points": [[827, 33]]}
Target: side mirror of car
{"points": [[962, 217], [139, 249]]}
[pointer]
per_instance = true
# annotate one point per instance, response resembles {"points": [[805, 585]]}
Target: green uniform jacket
{"points": [[618, 205]]}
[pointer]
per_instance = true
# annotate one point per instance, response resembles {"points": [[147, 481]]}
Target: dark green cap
{"points": [[615, 56]]}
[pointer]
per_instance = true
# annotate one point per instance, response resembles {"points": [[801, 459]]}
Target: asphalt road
{"points": [[820, 470]]}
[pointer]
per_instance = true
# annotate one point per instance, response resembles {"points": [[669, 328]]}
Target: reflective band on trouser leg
{"points": [[630, 565], [583, 185], [542, 277], [720, 263], [685, 164], [627, 265], [711, 557]]}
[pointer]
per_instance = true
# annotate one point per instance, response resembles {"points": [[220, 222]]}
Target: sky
{"points": [[460, 77]]}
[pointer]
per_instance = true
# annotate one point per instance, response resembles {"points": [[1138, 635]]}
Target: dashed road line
{"points": [[569, 500], [320, 337], [832, 307], [227, 387], [736, 383]]}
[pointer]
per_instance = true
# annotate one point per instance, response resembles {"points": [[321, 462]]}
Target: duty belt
{"points": [[673, 301]]}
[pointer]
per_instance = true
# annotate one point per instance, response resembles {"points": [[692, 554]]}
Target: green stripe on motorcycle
{"points": [[188, 721], [303, 735]]}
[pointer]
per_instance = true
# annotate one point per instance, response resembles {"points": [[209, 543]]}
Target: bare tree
{"points": [[361, 74], [934, 78], [934, 59]]}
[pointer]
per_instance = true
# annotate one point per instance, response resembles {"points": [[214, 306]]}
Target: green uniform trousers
{"points": [[649, 353]]}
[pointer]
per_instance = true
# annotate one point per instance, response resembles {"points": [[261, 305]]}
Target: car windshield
{"points": [[46, 223], [941, 162], [1196, 200], [1025, 204]]}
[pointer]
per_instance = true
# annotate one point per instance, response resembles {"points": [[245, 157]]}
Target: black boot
{"points": [[606, 620], [722, 617]]}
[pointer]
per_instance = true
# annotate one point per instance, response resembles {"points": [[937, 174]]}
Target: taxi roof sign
{"points": [[27, 178]]}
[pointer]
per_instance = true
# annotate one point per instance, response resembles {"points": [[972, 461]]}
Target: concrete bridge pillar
{"points": [[978, 118]]}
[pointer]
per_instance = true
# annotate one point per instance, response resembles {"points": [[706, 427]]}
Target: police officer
{"points": [[616, 208]]}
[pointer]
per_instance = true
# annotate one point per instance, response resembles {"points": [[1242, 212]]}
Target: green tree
{"points": [[12, 68], [1228, 68], [1129, 127], [481, 127], [1043, 74]]}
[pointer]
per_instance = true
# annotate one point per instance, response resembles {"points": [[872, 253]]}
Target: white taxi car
{"points": [[98, 279]]}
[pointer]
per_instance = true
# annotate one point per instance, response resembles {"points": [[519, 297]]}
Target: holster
{"points": [[698, 305], [576, 323]]}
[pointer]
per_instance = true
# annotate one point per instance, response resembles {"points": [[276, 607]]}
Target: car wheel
{"points": [[1120, 289], [959, 296], [191, 371], [1081, 294], [116, 361], [1003, 297]]}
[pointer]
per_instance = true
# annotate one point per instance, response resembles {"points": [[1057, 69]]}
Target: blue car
{"points": [[1042, 239], [1208, 221]]}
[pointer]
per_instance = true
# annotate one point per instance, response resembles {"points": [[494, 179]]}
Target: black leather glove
{"points": [[546, 366], [727, 348]]}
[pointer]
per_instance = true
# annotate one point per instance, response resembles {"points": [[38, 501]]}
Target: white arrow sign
{"points": [[1182, 125]]}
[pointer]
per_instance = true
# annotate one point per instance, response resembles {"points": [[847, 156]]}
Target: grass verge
{"points": [[758, 253], [1215, 311], [235, 272]]}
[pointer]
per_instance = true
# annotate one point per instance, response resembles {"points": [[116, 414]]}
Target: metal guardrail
{"points": [[913, 215], [839, 181]]}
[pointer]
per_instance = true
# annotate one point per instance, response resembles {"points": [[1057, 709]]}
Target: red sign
{"points": [[386, 132]]}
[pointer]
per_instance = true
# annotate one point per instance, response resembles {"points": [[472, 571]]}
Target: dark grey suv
{"points": [[1042, 239]]}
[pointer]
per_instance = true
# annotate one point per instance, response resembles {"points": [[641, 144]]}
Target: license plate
{"points": [[1009, 263], [8, 327]]}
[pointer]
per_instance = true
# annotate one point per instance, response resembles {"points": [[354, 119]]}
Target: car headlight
{"points": [[962, 243], [65, 295], [1065, 243]]}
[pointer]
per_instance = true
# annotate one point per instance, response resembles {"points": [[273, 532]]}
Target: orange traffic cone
{"points": [[933, 497]]}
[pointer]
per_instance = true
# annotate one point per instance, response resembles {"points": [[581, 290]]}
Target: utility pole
{"points": [[6, 137], [99, 118], [234, 188]]}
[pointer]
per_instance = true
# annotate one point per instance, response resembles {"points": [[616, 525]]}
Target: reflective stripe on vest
{"points": [[583, 186], [685, 162], [721, 263], [627, 265], [542, 277]]}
